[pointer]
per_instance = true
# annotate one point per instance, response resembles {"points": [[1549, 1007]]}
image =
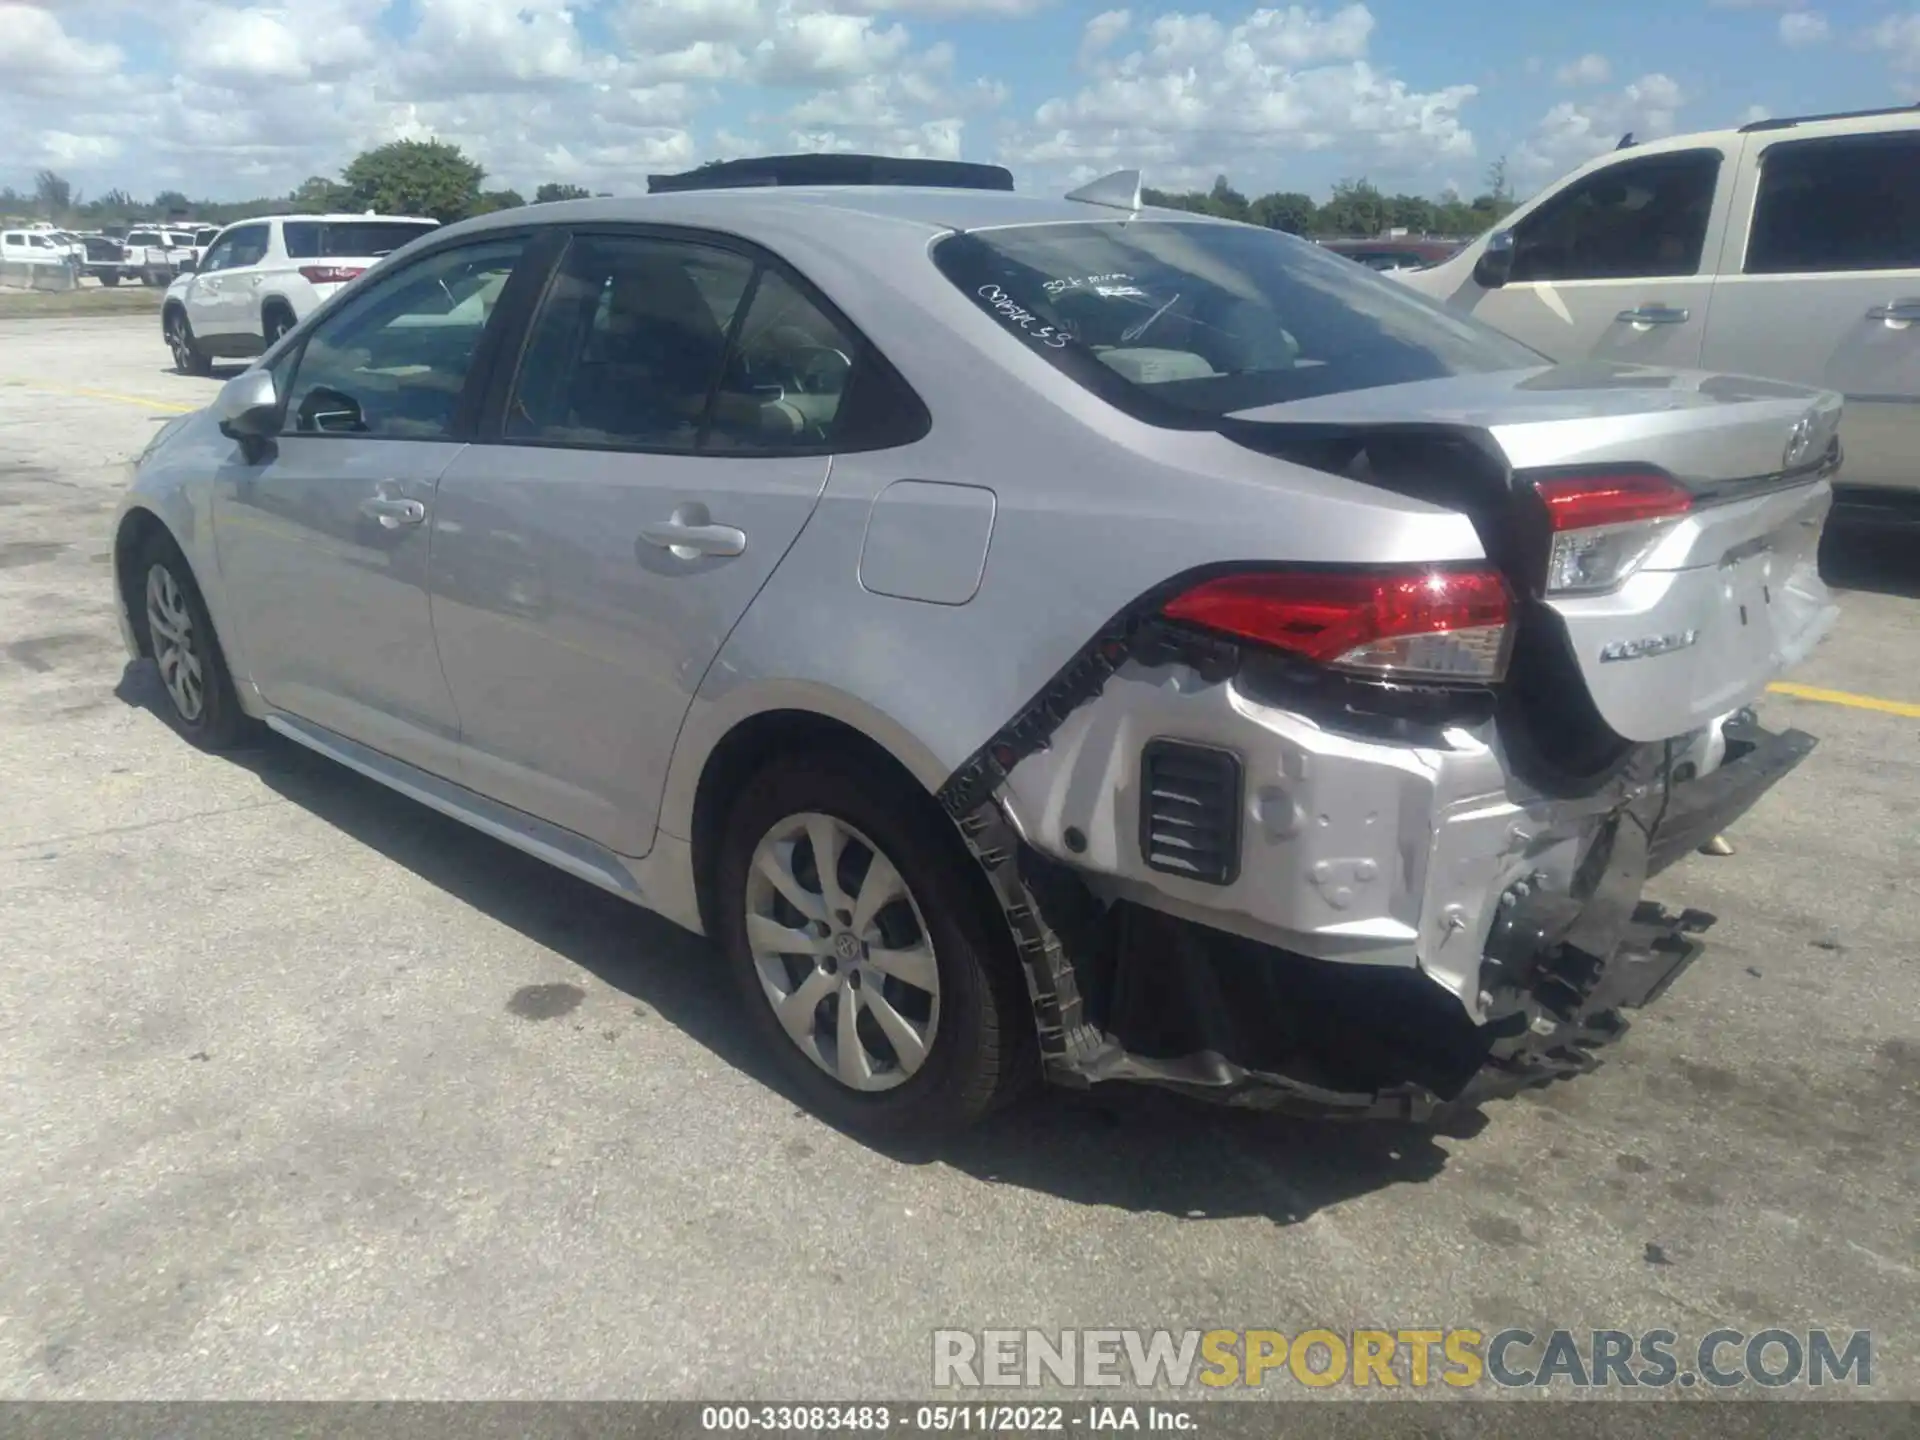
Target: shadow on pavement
{"points": [[1860, 554], [1126, 1146]]}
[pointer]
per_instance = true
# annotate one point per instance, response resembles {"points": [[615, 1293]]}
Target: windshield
{"points": [[1183, 323], [350, 239]]}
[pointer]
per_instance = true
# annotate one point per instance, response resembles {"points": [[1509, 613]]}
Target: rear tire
{"points": [[175, 629], [188, 358], [934, 958], [274, 323]]}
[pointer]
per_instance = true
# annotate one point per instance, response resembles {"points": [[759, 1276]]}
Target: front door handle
{"points": [[688, 537], [1653, 315], [391, 513], [1900, 312]]}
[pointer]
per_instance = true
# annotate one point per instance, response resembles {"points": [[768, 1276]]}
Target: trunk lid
{"points": [[1729, 594]]}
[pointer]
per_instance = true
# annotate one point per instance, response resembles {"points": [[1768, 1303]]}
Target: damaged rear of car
{"points": [[1312, 829]]}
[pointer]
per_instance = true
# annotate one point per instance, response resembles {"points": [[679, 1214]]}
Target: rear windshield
{"points": [[1182, 323], [350, 239]]}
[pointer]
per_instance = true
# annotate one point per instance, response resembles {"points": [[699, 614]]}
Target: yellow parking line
{"points": [[85, 394], [1841, 697]]}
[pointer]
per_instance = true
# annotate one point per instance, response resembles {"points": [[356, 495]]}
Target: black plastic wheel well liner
{"points": [[137, 529], [748, 748]]}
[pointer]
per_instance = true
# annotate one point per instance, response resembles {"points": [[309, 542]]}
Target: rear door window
{"points": [[628, 344], [1635, 219], [1847, 203]]}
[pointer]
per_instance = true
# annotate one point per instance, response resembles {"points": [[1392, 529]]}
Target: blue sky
{"points": [[235, 98]]}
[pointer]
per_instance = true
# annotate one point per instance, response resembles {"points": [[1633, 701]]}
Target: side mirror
{"points": [[1495, 264], [248, 409]]}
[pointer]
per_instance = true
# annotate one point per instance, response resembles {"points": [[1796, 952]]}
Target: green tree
{"points": [[1286, 210], [1356, 209], [169, 203], [53, 194], [492, 200], [414, 177], [553, 190], [1225, 201], [317, 192], [1499, 185]]}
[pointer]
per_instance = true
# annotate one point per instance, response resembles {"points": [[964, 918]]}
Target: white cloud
{"points": [[1899, 36], [1800, 28], [1102, 32], [249, 48], [1754, 114], [1589, 69], [225, 98], [826, 46], [41, 58], [1198, 95], [1571, 133]]}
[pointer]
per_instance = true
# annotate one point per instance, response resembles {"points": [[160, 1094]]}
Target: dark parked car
{"points": [[1394, 254]]}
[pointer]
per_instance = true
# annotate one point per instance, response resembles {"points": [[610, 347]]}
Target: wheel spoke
{"points": [[908, 1043], [766, 934], [190, 663], [775, 861], [169, 662], [160, 624], [913, 966], [826, 837], [850, 1056], [796, 1010], [881, 886]]}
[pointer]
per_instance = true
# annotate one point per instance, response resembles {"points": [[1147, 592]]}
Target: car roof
{"points": [[934, 210]]}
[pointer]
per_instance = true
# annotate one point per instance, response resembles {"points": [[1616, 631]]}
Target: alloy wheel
{"points": [[178, 342], [175, 651], [842, 952]]}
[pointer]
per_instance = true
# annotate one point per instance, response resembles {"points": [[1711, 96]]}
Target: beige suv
{"points": [[1787, 249]]}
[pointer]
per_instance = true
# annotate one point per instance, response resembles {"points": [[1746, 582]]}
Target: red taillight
{"points": [[1605, 526], [1427, 621], [331, 274], [1579, 502]]}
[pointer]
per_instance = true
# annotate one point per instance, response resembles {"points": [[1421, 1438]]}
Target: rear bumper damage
{"points": [[1503, 940]]}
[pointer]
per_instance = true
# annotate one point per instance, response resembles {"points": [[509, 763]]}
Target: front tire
{"points": [[188, 358], [178, 634], [883, 987]]}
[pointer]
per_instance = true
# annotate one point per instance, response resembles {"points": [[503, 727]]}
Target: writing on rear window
{"points": [[1021, 318], [1116, 283]]}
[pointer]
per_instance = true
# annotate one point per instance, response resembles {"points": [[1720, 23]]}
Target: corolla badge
{"points": [[1799, 443], [1648, 645]]}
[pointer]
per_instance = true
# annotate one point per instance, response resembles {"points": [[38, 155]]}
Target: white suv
{"points": [[260, 278], [1787, 249]]}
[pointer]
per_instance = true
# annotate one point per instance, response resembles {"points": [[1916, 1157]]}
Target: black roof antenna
{"points": [[1626, 141]]}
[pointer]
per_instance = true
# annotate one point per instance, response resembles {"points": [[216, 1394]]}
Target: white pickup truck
{"points": [[156, 255]]}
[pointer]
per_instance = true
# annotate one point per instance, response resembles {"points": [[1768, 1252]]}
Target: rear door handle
{"points": [[392, 514], [685, 541], [1900, 312], [1653, 315]]}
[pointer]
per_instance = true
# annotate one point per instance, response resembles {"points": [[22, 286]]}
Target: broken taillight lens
{"points": [[1606, 525], [331, 274], [1425, 622]]}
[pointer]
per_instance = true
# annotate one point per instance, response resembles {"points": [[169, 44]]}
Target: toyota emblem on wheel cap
{"points": [[1799, 443]]}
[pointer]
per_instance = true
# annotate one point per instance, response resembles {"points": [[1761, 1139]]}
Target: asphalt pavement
{"points": [[313, 1093]]}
